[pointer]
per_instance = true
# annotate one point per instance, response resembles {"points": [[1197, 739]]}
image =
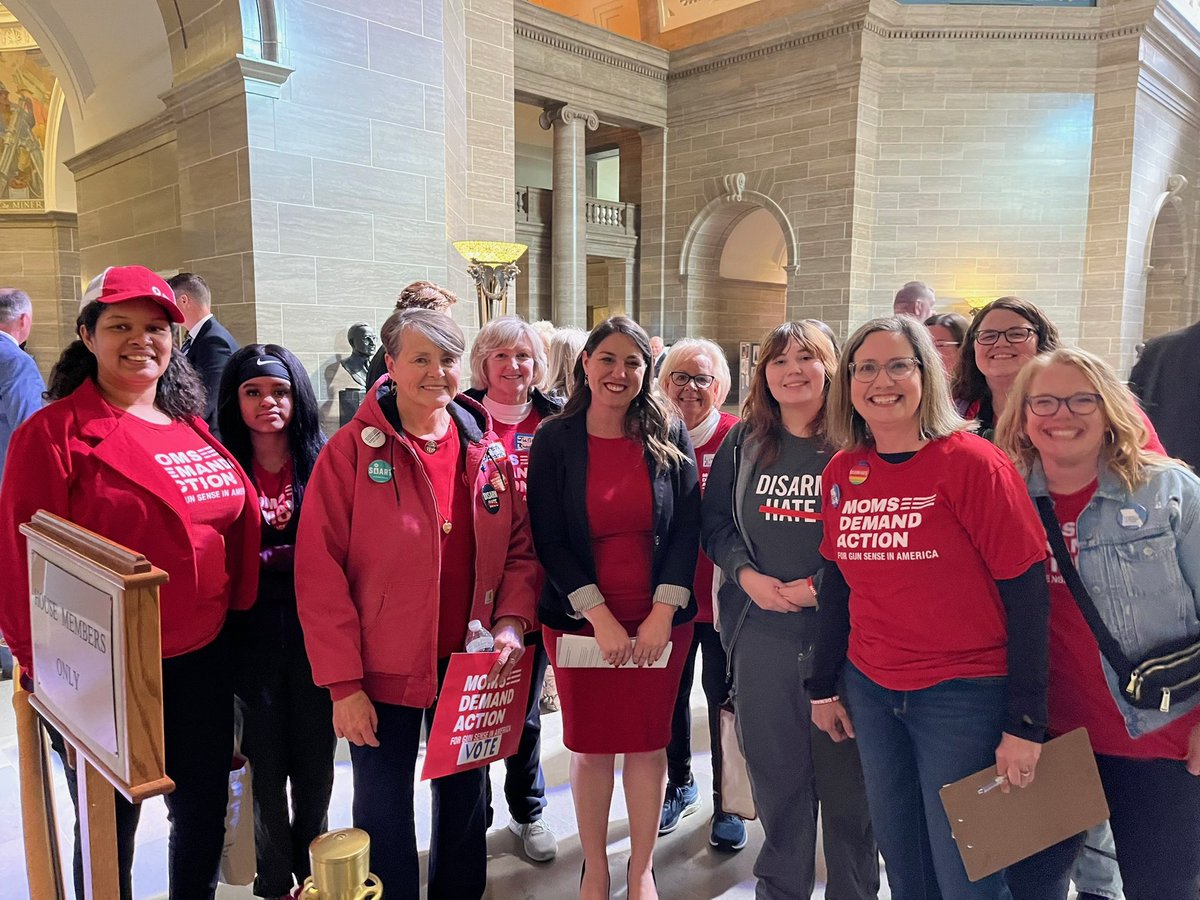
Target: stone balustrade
{"points": [[603, 217]]}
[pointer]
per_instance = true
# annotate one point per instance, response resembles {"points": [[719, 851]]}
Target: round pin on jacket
{"points": [[380, 471], [372, 436], [859, 472]]}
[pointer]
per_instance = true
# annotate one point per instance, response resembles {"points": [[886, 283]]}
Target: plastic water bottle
{"points": [[479, 639]]}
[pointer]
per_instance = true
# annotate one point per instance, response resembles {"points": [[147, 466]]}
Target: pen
{"points": [[993, 784]]}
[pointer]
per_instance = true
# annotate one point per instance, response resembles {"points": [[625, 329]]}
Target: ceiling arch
{"points": [[112, 60]]}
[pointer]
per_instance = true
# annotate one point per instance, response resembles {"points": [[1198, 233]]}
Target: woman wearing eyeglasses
{"points": [[761, 522], [695, 378], [1002, 338], [933, 604], [948, 331], [1129, 518]]}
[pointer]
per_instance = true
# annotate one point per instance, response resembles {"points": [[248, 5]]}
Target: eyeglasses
{"points": [[898, 369], [1016, 335], [1048, 404], [941, 345], [682, 379]]}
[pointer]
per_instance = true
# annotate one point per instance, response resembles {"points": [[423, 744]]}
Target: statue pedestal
{"points": [[349, 400]]}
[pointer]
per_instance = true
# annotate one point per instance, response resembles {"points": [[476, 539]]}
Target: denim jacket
{"points": [[1139, 557]]}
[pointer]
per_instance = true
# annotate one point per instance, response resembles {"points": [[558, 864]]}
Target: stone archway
{"points": [[729, 310], [1169, 304]]}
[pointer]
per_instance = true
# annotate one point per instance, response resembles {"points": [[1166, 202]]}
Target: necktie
{"points": [[186, 346]]}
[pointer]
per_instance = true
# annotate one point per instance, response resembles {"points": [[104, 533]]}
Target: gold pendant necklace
{"points": [[446, 526]]}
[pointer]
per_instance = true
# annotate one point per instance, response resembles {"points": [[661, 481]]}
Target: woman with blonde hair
{"points": [[1122, 520], [508, 361], [762, 526], [695, 377], [938, 682], [565, 344]]}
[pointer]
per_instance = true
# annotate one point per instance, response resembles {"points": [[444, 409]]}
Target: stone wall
{"points": [[41, 257]]}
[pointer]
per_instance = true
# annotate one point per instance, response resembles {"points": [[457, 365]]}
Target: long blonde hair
{"points": [[847, 428], [1122, 452]]}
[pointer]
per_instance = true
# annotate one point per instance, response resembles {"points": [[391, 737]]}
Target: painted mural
{"points": [[26, 84]]}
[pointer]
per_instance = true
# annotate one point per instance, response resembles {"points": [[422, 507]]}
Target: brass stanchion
{"points": [[341, 867]]}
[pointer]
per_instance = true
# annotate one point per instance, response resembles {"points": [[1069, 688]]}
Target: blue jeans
{"points": [[911, 744]]}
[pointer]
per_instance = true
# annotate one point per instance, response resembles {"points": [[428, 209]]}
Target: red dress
{"points": [[620, 710]]}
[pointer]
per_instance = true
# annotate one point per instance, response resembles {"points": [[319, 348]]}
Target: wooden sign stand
{"points": [[97, 664]]}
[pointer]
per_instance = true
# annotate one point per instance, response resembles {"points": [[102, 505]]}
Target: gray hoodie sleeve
{"points": [[721, 538]]}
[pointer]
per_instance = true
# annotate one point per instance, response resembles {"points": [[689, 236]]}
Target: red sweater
{"points": [[80, 459], [369, 556]]}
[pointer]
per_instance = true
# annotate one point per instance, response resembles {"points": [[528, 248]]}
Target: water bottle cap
{"points": [[474, 625]]}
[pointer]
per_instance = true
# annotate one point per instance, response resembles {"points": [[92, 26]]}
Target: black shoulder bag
{"points": [[1171, 671]]}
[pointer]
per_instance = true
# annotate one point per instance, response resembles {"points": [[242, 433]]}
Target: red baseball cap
{"points": [[117, 284]]}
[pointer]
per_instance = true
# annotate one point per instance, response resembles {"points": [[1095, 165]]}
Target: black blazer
{"points": [[557, 495], [1165, 380], [211, 347]]}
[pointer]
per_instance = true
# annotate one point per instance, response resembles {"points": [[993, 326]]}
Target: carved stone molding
{"points": [[1173, 197], [237, 76], [566, 114], [579, 48], [734, 185], [138, 140]]}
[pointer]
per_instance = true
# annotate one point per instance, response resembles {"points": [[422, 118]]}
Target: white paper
{"points": [[578, 651]]}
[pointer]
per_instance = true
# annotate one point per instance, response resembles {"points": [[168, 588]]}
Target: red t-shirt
{"points": [[702, 582], [1078, 695], [516, 440], [274, 494], [213, 494], [921, 544], [445, 470]]}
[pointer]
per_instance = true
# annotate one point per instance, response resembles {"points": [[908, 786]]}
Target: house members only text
{"points": [[476, 723]]}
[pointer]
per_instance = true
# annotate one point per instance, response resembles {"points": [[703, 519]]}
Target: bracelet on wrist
{"points": [[834, 699]]}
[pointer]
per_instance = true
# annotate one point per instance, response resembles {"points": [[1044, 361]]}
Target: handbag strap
{"points": [[1108, 644]]}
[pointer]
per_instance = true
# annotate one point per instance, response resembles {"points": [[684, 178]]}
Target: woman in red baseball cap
{"points": [[122, 452]]}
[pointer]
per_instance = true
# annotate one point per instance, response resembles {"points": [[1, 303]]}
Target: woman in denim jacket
{"points": [[1131, 521]]}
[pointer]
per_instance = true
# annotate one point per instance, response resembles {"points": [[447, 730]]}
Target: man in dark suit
{"points": [[1165, 380], [209, 345]]}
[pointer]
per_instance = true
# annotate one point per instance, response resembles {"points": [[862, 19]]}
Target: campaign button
{"points": [[859, 472], [380, 471], [372, 436]]}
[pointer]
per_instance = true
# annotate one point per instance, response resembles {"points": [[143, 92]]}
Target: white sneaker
{"points": [[540, 843]]}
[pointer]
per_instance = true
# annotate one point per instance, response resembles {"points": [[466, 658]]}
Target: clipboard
{"points": [[994, 829]]}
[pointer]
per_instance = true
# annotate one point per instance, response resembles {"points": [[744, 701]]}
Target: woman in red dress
{"points": [[615, 506]]}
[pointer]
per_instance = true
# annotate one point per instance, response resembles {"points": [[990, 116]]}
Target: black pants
{"points": [[1154, 810], [706, 641], [287, 735], [524, 783], [383, 807], [198, 739]]}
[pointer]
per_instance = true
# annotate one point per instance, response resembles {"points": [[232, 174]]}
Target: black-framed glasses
{"points": [[1018, 334], [898, 369], [1047, 404], [682, 379]]}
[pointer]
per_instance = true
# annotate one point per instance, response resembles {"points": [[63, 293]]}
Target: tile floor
{"points": [[688, 869]]}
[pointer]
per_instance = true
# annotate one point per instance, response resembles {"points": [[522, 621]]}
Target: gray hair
{"points": [[845, 426], [438, 327], [689, 348], [14, 302], [506, 331]]}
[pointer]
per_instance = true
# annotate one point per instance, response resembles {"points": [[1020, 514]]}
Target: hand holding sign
{"points": [[509, 635]]}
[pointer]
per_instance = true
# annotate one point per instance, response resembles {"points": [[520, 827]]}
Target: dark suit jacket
{"points": [[211, 347], [1165, 380], [557, 496]]}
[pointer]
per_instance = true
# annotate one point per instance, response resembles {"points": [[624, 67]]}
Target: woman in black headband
{"points": [[267, 415]]}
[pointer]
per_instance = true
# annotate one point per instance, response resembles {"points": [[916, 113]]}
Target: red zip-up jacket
{"points": [[368, 555], [76, 458]]}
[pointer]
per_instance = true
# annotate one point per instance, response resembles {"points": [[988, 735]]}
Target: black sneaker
{"points": [[679, 802], [728, 832]]}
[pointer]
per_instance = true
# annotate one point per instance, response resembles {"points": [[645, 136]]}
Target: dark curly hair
{"points": [[305, 439], [179, 393], [969, 384]]}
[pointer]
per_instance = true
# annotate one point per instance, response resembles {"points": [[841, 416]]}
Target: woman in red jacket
{"points": [[123, 453], [412, 527]]}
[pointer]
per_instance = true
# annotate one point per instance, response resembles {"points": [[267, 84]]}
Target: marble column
{"points": [[567, 227]]}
